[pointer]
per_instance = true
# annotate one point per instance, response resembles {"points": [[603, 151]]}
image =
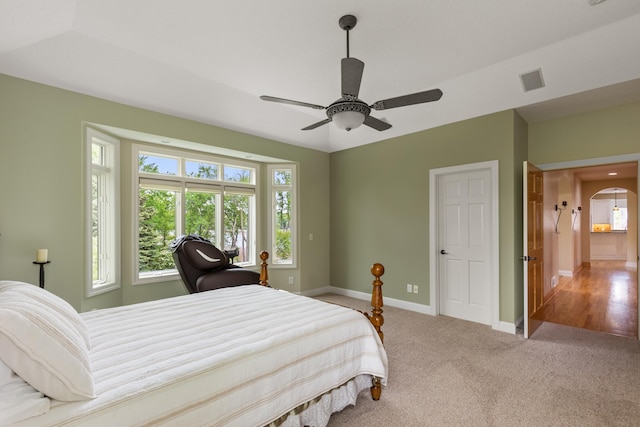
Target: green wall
{"points": [[380, 204], [602, 133], [41, 189]]}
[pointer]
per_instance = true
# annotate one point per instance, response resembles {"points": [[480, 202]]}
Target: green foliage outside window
{"points": [[157, 229], [283, 244], [236, 215], [200, 205], [157, 224]]}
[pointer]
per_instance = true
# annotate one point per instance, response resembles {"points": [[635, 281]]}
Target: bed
{"points": [[240, 356]]}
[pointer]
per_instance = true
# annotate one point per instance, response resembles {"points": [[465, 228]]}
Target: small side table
{"points": [[41, 264]]}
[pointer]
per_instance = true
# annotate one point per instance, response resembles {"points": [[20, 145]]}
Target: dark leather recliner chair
{"points": [[203, 267]]}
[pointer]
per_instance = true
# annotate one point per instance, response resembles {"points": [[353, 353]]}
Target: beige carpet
{"points": [[448, 372]]}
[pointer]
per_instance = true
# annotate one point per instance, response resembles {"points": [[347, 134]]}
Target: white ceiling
{"points": [[211, 60]]}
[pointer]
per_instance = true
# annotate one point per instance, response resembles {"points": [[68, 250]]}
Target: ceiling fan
{"points": [[349, 112]]}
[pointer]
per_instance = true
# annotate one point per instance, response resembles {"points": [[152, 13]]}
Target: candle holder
{"points": [[41, 264]]}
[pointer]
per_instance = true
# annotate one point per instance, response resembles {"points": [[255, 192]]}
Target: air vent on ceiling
{"points": [[532, 80]]}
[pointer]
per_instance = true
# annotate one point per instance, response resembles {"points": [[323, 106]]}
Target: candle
{"points": [[41, 255]]}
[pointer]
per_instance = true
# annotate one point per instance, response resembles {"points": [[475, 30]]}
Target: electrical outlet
{"points": [[415, 289], [291, 280], [409, 287]]}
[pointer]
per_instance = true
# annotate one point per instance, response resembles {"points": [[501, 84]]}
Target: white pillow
{"points": [[42, 342], [45, 298], [18, 400]]}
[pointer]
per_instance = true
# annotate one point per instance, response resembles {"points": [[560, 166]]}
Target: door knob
{"points": [[443, 252], [528, 258]]}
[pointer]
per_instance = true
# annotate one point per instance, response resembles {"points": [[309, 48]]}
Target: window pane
{"points": [[96, 221], [157, 229], [201, 169], [157, 164], [200, 214], [102, 204], [237, 220], [283, 227], [619, 219], [237, 174], [282, 177], [97, 154]]}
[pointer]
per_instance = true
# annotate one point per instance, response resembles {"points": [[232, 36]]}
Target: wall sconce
{"points": [[575, 213], [559, 210]]}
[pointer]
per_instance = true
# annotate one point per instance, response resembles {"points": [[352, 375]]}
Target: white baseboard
{"points": [[507, 327], [631, 264], [318, 291], [510, 328], [565, 273], [392, 302]]}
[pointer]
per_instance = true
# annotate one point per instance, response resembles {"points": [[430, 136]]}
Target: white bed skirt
{"points": [[318, 412]]}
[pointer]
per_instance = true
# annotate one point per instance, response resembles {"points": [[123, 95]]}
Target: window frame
{"points": [[185, 181], [272, 189], [109, 232]]}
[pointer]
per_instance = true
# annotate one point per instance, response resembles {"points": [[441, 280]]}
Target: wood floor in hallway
{"points": [[602, 297]]}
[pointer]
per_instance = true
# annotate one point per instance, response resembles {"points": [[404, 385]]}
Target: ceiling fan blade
{"points": [[352, 69], [377, 124], [315, 125], [289, 101], [414, 98]]}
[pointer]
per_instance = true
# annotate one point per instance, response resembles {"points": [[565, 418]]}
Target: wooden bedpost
{"points": [[377, 320], [264, 275], [376, 299]]}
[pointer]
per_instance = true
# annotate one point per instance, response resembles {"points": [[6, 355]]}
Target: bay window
{"points": [[185, 194]]}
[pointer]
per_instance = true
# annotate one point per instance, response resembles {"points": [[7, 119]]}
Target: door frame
{"points": [[634, 157], [434, 220]]}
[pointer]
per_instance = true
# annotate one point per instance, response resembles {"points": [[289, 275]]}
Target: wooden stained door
{"points": [[533, 246]]}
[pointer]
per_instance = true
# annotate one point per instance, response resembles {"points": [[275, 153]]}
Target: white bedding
{"points": [[18, 400], [241, 356]]}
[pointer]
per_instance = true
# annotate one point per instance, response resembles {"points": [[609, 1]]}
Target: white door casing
{"points": [[464, 242]]}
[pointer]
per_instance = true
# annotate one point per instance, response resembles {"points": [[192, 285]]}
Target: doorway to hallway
{"points": [[601, 297]]}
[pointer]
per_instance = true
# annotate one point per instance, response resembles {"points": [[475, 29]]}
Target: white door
{"points": [[465, 211]]}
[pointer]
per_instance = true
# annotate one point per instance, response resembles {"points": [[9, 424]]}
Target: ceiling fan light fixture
{"points": [[348, 120], [348, 115]]}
